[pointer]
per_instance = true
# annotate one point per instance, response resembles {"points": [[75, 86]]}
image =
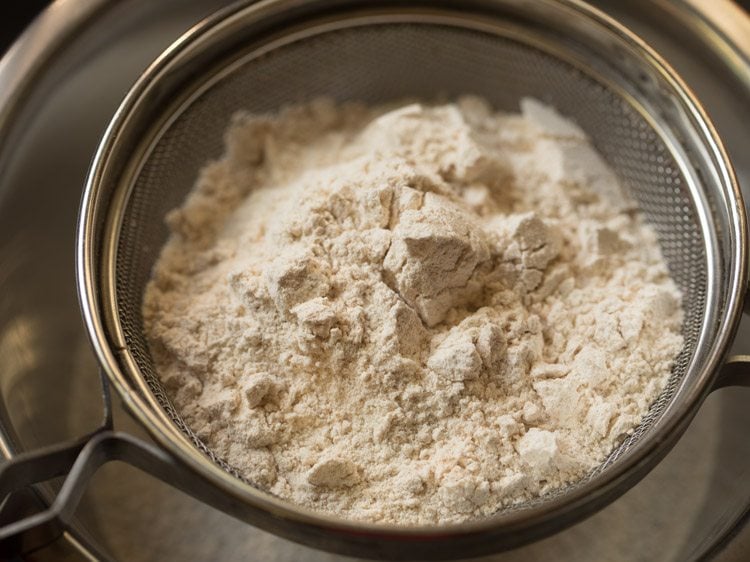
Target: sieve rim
{"points": [[584, 500]]}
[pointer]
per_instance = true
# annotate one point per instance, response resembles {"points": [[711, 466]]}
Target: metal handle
{"points": [[23, 530], [80, 460], [734, 372]]}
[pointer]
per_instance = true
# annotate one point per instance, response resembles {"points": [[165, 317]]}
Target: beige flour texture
{"points": [[411, 314]]}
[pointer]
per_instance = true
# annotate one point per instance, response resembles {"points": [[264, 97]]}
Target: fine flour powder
{"points": [[411, 314]]}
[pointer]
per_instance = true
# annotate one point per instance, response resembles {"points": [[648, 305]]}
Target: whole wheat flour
{"points": [[415, 314]]}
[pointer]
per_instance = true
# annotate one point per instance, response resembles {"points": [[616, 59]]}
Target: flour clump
{"points": [[413, 314]]}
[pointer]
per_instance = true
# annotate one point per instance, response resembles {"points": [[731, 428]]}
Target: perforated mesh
{"points": [[391, 61]]}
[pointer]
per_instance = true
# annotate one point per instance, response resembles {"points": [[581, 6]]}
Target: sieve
{"points": [[258, 56]]}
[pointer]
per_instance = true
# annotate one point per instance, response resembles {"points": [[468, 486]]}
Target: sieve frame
{"points": [[96, 248]]}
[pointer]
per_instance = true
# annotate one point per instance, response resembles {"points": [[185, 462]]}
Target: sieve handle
{"points": [[80, 460], [735, 372]]}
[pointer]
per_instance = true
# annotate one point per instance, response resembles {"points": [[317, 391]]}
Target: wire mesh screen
{"points": [[386, 62]]}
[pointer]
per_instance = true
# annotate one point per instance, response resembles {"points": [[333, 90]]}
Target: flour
{"points": [[412, 315]]}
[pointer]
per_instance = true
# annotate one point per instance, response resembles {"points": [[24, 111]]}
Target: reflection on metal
{"points": [[728, 27], [18, 350], [21, 66]]}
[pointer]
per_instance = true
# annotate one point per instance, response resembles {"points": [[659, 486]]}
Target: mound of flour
{"points": [[414, 314]]}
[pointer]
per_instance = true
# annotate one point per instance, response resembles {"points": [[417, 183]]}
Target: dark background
{"points": [[15, 15]]}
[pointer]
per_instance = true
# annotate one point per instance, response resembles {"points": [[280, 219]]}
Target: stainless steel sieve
{"points": [[258, 56]]}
